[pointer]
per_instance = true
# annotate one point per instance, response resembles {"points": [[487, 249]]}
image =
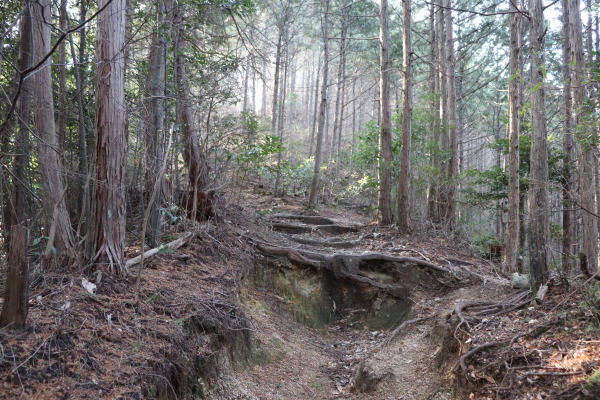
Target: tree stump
{"points": [[16, 293]]}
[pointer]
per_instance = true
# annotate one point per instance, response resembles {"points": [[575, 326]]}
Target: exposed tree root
{"points": [[329, 243], [297, 229], [402, 326], [348, 266], [308, 219], [480, 308]]}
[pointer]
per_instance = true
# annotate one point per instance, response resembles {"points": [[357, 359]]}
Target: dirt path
{"points": [[343, 360]]}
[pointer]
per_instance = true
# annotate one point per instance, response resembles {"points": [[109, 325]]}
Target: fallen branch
{"points": [[175, 244]]}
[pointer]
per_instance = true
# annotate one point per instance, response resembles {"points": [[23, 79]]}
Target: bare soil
{"points": [[215, 320]]}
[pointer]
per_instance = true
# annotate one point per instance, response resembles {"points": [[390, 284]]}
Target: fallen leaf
{"points": [[489, 379]]}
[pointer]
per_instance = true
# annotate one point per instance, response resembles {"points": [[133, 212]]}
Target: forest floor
{"points": [[241, 312]]}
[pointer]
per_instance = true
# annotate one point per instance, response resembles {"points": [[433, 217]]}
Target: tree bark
{"points": [[539, 227], [568, 216], [432, 189], [154, 120], [339, 96], [16, 291], [62, 82], [106, 233], [450, 214], [512, 242], [16, 216], [585, 148], [276, 81], [314, 114], [51, 167], [385, 210], [314, 188], [404, 185], [193, 157]]}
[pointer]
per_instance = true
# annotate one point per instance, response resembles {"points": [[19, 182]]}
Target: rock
{"points": [[366, 379], [519, 281]]}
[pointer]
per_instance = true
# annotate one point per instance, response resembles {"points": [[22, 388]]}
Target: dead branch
{"points": [[175, 244]]}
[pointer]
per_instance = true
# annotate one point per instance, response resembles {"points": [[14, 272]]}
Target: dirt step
{"points": [[298, 229]]}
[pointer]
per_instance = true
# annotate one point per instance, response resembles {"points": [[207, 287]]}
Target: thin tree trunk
{"points": [[314, 189], [276, 81], [339, 89], [264, 91], [106, 233], [281, 117], [316, 102], [62, 82], [385, 211], [567, 214], [404, 185], [246, 78], [292, 62], [512, 242], [539, 227]]}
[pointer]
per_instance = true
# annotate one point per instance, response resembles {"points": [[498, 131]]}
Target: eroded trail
{"points": [[347, 311]]}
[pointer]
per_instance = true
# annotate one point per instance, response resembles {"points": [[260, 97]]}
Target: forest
{"points": [[190, 190]]}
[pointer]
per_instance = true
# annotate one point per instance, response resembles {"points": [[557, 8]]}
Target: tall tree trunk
{"points": [[246, 79], [404, 185], [539, 211], [62, 81], [432, 189], [281, 112], [15, 215], [314, 114], [292, 61], [154, 134], [314, 188], [106, 233], [443, 144], [385, 210], [337, 119], [585, 151], [51, 168], [275, 105], [194, 159], [512, 243], [83, 192], [568, 215], [264, 91], [450, 214]]}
